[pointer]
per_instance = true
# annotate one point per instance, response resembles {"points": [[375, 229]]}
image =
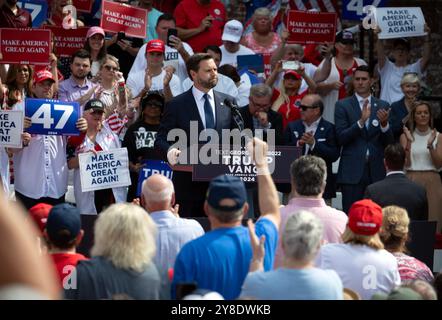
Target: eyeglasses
{"points": [[259, 106], [110, 68], [304, 107]]}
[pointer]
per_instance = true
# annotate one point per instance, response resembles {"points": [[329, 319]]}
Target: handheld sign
{"points": [[106, 169], [38, 10], [52, 117], [150, 168], [311, 27], [117, 17], [11, 128], [68, 41], [400, 22], [83, 5], [251, 62], [354, 9], [25, 46]]}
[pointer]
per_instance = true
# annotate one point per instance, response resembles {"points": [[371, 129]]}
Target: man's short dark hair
{"points": [[364, 68], [230, 71], [82, 54], [193, 63], [165, 17], [309, 174], [215, 49], [317, 102], [394, 155]]}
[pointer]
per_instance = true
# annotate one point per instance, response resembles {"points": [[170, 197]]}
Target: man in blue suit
{"points": [[363, 131], [200, 105], [316, 136]]}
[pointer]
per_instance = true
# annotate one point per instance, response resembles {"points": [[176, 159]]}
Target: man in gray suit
{"points": [[363, 132], [396, 188]]}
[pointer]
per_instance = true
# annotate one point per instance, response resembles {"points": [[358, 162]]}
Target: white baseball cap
{"points": [[232, 31]]}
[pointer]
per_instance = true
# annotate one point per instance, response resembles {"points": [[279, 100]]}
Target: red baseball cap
{"points": [[365, 217], [39, 213], [42, 75], [293, 73], [155, 45]]}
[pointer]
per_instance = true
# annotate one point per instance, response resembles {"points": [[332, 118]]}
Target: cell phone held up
{"points": [[121, 36], [291, 65], [171, 32]]}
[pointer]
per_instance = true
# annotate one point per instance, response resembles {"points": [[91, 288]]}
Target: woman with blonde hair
{"points": [[411, 86], [122, 263], [423, 156], [394, 235], [361, 261], [262, 40]]}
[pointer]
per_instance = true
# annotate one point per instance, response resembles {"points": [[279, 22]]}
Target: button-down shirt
{"points": [[173, 234], [312, 129], [69, 90], [361, 101], [199, 99]]}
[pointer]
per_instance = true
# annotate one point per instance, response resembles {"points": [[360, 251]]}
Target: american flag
{"points": [[302, 5]]}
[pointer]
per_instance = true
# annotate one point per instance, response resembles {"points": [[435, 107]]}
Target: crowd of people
{"points": [[133, 92]]}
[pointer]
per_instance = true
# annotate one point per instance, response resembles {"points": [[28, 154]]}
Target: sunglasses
{"points": [[153, 104], [110, 68], [304, 107]]}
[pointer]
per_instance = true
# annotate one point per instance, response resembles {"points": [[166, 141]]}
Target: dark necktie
{"points": [[208, 113]]}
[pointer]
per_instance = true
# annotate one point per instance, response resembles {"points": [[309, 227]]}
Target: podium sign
{"points": [[237, 162]]}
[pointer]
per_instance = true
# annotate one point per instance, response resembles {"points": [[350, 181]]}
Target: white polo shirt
{"points": [[135, 82]]}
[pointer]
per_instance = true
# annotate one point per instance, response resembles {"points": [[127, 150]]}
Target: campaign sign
{"points": [[353, 9], [68, 41], [52, 117], [38, 10], [400, 22], [116, 17], [237, 162], [150, 168], [311, 27], [25, 46], [104, 170], [11, 128], [253, 62], [83, 5]]}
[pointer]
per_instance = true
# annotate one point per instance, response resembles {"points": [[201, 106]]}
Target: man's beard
{"points": [[208, 84]]}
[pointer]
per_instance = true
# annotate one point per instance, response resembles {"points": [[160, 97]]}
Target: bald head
{"points": [[158, 193]]}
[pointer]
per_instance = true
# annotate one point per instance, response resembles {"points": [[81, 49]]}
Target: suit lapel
{"points": [[194, 114], [221, 116]]}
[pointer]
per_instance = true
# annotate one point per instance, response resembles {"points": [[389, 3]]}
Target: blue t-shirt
{"points": [[293, 284], [220, 259]]}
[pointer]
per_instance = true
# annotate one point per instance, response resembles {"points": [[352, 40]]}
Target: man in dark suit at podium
{"points": [[194, 111], [396, 188]]}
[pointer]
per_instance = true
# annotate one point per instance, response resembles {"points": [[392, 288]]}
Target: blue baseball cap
{"points": [[226, 187], [64, 223]]}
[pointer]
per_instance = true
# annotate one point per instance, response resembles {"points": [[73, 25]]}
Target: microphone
{"points": [[230, 104]]}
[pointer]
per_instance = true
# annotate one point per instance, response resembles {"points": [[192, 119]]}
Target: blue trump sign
{"points": [[150, 168], [353, 9], [52, 117], [38, 10]]}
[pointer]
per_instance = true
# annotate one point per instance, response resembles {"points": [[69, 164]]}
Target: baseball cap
{"points": [[94, 104], [293, 73], [155, 94], [155, 45], [39, 214], [94, 30], [402, 42], [399, 293], [365, 217], [42, 75], [345, 37], [232, 31], [64, 223], [226, 187]]}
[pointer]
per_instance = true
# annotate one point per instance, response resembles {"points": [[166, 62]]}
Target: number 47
{"points": [[43, 115], [358, 5]]}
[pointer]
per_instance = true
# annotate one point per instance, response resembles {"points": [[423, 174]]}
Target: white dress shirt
{"points": [[199, 99], [312, 129]]}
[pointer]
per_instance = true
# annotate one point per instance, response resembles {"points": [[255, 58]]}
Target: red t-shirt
{"points": [[189, 14], [289, 112], [61, 260], [345, 78]]}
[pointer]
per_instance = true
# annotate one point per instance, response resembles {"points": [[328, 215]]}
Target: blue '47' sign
{"points": [[38, 10], [353, 9], [52, 117]]}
